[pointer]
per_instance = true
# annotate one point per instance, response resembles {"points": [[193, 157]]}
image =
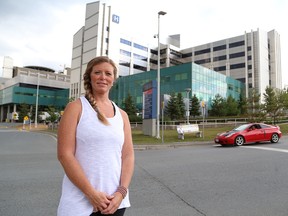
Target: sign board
{"points": [[150, 100]]}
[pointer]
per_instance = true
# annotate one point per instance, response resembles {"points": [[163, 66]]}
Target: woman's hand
{"points": [[100, 200], [114, 204]]}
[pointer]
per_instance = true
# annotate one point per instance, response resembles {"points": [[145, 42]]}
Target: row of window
{"points": [[136, 56], [129, 43], [218, 48]]}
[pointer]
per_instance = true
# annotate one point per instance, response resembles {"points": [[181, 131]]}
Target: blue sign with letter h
{"points": [[115, 18]]}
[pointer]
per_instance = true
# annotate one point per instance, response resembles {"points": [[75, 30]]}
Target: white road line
{"points": [[266, 148]]}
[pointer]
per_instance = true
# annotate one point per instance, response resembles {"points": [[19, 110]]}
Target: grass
{"points": [[170, 136]]}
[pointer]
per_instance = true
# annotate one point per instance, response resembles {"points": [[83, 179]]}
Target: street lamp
{"points": [[37, 95], [158, 77], [188, 101]]}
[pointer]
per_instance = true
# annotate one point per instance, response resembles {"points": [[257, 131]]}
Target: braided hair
{"points": [[88, 85]]}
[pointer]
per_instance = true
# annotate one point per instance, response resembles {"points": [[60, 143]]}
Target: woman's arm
{"points": [[127, 153], [66, 155]]}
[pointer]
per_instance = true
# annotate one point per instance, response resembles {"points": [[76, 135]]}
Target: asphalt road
{"points": [[193, 180]]}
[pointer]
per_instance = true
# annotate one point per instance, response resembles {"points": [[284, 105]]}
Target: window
{"points": [[136, 56], [187, 55], [203, 61], [217, 48], [155, 52], [125, 42], [199, 52], [176, 53], [181, 76], [219, 58], [235, 66], [236, 44], [139, 67], [243, 80], [153, 61], [124, 63], [222, 68], [138, 46], [124, 52], [236, 55]]}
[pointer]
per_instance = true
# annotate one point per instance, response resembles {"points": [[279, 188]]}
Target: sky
{"points": [[41, 32]]}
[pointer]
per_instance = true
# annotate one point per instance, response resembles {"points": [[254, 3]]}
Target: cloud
{"points": [[38, 32], [41, 32]]}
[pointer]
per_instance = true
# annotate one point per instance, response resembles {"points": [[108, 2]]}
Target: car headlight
{"points": [[229, 135]]}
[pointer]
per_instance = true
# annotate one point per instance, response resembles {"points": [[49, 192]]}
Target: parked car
{"points": [[249, 133]]}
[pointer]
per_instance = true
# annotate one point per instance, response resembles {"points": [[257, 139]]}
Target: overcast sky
{"points": [[41, 32]]}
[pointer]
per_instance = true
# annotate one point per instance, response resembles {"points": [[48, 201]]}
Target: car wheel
{"points": [[239, 141], [274, 138]]}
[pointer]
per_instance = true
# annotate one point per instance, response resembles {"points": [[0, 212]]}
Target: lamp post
{"points": [[36, 109], [158, 77], [188, 101]]}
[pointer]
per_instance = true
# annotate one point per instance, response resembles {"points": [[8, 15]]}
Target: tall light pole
{"points": [[188, 101], [37, 93], [158, 77]]}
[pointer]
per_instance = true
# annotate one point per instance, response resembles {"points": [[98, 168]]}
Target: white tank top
{"points": [[98, 150]]}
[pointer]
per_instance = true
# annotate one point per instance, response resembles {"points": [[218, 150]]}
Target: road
{"points": [[193, 180]]}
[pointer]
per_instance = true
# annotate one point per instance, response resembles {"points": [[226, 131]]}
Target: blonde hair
{"points": [[88, 85]]}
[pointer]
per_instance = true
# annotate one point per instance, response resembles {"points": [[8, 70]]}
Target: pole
{"points": [[188, 101], [158, 78], [37, 93], [163, 122], [203, 107]]}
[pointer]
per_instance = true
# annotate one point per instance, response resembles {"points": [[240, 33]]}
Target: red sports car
{"points": [[249, 133]]}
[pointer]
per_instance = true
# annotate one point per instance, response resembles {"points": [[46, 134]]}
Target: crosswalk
{"points": [[266, 148]]}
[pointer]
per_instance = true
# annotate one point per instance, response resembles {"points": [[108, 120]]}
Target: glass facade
{"points": [[205, 84], [17, 95]]}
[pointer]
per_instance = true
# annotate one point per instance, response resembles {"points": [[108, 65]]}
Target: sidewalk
{"points": [[150, 146]]}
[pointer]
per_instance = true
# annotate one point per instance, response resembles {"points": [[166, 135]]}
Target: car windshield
{"points": [[241, 127]]}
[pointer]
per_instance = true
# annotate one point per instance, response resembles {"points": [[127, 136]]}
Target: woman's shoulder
{"points": [[74, 105]]}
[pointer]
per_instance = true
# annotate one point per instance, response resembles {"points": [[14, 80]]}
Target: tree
{"points": [[218, 106], [130, 108], [284, 98], [181, 105], [195, 106], [53, 116], [254, 107], [231, 106], [273, 102], [242, 105], [129, 105], [172, 109], [23, 111]]}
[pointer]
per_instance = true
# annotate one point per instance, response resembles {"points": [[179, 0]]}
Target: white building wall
{"points": [[7, 67], [275, 59], [262, 74], [76, 69]]}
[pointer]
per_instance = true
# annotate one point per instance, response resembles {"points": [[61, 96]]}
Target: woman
{"points": [[95, 148]]}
